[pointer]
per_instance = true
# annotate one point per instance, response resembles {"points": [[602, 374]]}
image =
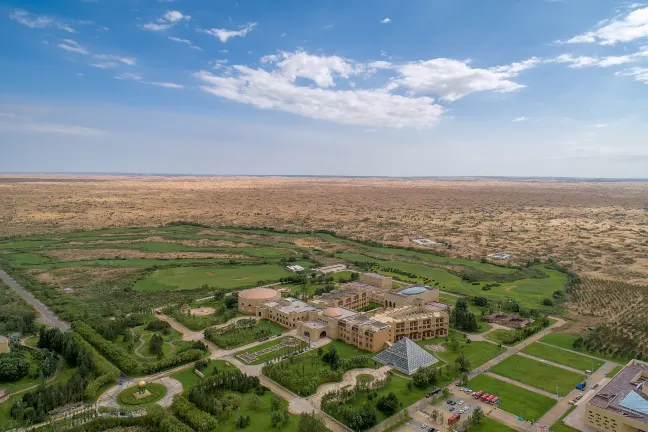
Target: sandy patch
{"points": [[210, 274], [244, 278], [203, 311], [509, 288], [435, 348], [79, 276]]}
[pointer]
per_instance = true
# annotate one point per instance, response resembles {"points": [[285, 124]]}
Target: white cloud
{"points": [[186, 42], [224, 35], [639, 74], [588, 61], [632, 26], [105, 65], [156, 27], [73, 46], [274, 86], [385, 21], [600, 125], [32, 21], [328, 27], [53, 128], [175, 16], [127, 76], [454, 79], [521, 119], [166, 21]]}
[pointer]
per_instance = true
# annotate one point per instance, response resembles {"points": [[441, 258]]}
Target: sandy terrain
{"points": [[599, 229]]}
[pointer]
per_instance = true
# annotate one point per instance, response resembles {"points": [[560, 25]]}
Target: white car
{"points": [[460, 402], [423, 426]]}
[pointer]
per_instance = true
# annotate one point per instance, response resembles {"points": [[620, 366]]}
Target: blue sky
{"points": [[325, 87]]}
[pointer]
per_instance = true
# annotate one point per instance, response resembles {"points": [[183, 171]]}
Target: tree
{"points": [[155, 346], [462, 363], [332, 358], [420, 378], [454, 345], [231, 301], [256, 404], [409, 385], [477, 417], [311, 422], [388, 404], [275, 403]]}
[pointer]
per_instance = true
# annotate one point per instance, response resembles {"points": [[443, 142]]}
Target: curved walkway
{"points": [[109, 397], [348, 379]]}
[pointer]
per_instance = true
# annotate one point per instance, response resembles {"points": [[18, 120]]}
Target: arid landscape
{"points": [[598, 229]]}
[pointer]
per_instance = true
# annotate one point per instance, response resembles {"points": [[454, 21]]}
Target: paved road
{"points": [[48, 317]]}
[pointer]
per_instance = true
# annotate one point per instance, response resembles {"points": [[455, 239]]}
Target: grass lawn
{"points": [[439, 340], [398, 385], [490, 425], [539, 375], [614, 371], [477, 352], [272, 354], [515, 400], [260, 420], [562, 357], [566, 340], [497, 336], [187, 278], [32, 341], [190, 379], [559, 426], [239, 336], [127, 396]]}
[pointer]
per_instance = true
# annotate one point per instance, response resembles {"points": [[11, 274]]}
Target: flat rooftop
{"points": [[359, 286], [291, 305], [377, 275], [315, 324], [367, 321], [623, 395]]}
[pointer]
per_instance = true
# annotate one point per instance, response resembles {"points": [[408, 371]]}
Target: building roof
{"points": [[405, 356], [413, 290], [258, 294], [624, 395], [3, 339], [332, 312], [377, 275], [291, 305]]}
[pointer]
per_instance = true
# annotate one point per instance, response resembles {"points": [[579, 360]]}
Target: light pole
{"points": [[557, 395]]}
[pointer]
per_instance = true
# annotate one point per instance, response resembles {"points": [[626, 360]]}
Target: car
{"points": [[460, 402], [606, 372], [468, 391], [449, 401], [451, 409], [424, 425]]}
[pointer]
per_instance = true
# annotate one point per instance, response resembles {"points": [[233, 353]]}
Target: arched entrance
{"points": [[306, 334], [323, 334]]}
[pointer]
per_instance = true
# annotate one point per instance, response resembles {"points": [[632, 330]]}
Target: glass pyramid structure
{"points": [[405, 356]]}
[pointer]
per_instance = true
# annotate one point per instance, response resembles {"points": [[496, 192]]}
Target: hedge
{"points": [[192, 415], [105, 370]]}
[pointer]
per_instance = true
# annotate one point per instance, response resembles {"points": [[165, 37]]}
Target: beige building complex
{"points": [[622, 404], [413, 312]]}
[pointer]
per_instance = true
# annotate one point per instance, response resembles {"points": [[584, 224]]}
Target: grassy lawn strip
{"points": [[566, 340], [190, 379], [490, 425], [559, 426], [614, 371], [562, 357], [238, 336], [183, 278], [127, 397], [272, 354], [539, 375], [515, 400], [477, 352]]}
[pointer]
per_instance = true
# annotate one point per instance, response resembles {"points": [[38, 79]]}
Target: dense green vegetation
{"points": [[563, 357], [570, 341], [15, 314], [304, 373], [546, 377], [516, 400], [242, 333]]}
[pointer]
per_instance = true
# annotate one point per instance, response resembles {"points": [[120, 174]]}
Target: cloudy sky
{"points": [[325, 87]]}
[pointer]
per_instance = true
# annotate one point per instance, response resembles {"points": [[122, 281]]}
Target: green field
{"points": [[562, 357], [127, 396], [190, 379], [496, 336], [614, 371], [186, 278], [566, 340], [490, 425], [515, 400], [477, 352], [260, 419], [545, 377]]}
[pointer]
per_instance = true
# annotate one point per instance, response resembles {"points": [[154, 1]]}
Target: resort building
{"points": [[249, 299], [622, 404], [377, 280], [4, 345], [413, 313]]}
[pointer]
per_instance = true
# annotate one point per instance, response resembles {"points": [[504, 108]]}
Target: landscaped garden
{"points": [[129, 396], [302, 374], [271, 350], [199, 315], [563, 357], [515, 400], [190, 379], [543, 376], [242, 333]]}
